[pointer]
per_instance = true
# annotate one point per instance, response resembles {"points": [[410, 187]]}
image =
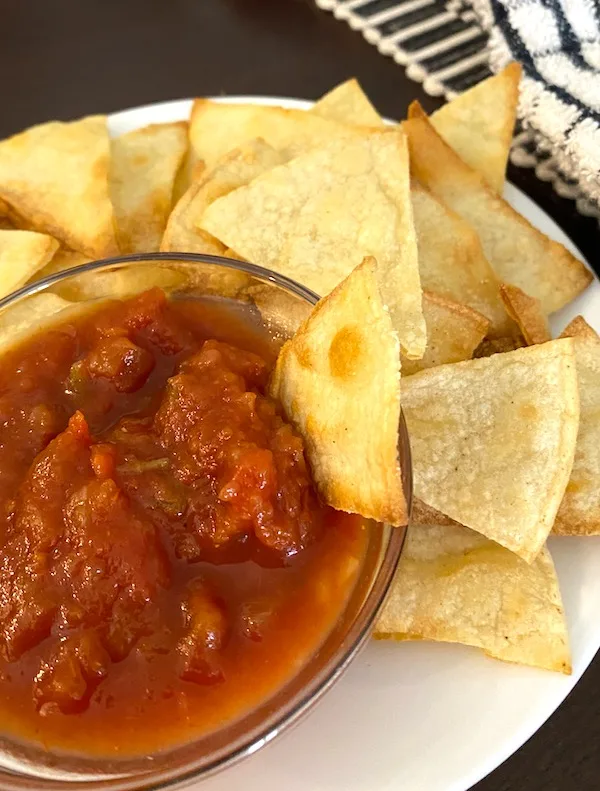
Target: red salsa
{"points": [[165, 563]]}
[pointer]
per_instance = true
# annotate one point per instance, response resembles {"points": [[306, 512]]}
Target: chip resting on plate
{"points": [[452, 263], [54, 177], [479, 124], [217, 128], [455, 586], [527, 312], [235, 169], [453, 333], [22, 254], [338, 381], [347, 103], [144, 164], [579, 512], [493, 441], [315, 218], [519, 253]]}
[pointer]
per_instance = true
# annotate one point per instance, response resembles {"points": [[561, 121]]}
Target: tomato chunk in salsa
{"points": [[163, 549]]}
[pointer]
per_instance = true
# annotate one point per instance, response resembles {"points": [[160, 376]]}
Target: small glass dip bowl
{"points": [[276, 305]]}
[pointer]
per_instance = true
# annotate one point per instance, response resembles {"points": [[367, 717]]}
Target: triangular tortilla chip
{"points": [[216, 129], [234, 170], [452, 263], [144, 164], [518, 252], [479, 124], [347, 103], [22, 254], [493, 441], [454, 586], [527, 312], [453, 333], [338, 381], [55, 179], [316, 217], [579, 512]]}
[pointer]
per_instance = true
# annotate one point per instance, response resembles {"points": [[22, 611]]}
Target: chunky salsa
{"points": [[165, 562]]}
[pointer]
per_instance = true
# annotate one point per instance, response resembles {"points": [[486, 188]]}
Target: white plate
{"points": [[424, 716]]}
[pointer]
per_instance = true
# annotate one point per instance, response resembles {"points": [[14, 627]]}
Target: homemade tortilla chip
{"points": [[479, 124], [22, 254], [235, 170], [493, 441], [451, 260], [338, 381], [316, 217], [216, 129], [453, 333], [55, 179], [518, 252], [27, 315], [579, 512], [144, 164], [347, 103], [454, 586], [527, 312]]}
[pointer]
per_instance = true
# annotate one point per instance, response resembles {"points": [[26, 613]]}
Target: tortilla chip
{"points": [[63, 259], [235, 170], [493, 441], [579, 512], [316, 217], [490, 346], [451, 260], [216, 129], [479, 124], [144, 164], [338, 381], [527, 312], [518, 252], [22, 253], [453, 333], [423, 514], [347, 103], [28, 314], [454, 586], [55, 179]]}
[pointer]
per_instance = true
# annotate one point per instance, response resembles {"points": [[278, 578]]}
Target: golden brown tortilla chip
{"points": [[453, 333], [55, 179], [338, 381], [144, 164], [347, 103], [479, 124], [454, 586], [579, 512], [527, 312], [316, 217], [216, 129], [493, 441], [451, 260], [518, 252], [22, 254], [235, 170]]}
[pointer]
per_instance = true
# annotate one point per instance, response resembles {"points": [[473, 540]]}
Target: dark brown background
{"points": [[66, 58]]}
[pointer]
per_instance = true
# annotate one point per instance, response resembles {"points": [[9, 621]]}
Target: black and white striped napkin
{"points": [[450, 45]]}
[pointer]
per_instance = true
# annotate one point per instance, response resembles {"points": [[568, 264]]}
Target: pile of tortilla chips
{"points": [[436, 298]]}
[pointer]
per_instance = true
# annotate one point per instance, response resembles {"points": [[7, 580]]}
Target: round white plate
{"points": [[423, 716]]}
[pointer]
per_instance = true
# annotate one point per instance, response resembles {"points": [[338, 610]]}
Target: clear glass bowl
{"points": [[278, 305]]}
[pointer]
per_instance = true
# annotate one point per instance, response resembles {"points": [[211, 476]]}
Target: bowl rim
{"points": [[326, 676]]}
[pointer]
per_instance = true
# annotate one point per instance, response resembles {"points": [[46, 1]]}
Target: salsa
{"points": [[165, 561]]}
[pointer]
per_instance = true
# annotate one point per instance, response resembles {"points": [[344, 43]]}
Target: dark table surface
{"points": [[67, 58]]}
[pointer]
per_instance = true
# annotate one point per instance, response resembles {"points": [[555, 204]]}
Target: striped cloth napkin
{"points": [[450, 45]]}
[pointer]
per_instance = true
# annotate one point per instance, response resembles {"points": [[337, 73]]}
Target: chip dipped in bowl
{"points": [[193, 549]]}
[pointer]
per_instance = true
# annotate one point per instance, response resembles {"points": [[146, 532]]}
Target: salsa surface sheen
{"points": [[166, 564]]}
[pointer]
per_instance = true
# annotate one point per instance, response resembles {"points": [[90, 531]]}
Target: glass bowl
{"points": [[276, 305]]}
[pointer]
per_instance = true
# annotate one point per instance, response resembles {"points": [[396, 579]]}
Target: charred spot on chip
{"points": [[346, 352]]}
